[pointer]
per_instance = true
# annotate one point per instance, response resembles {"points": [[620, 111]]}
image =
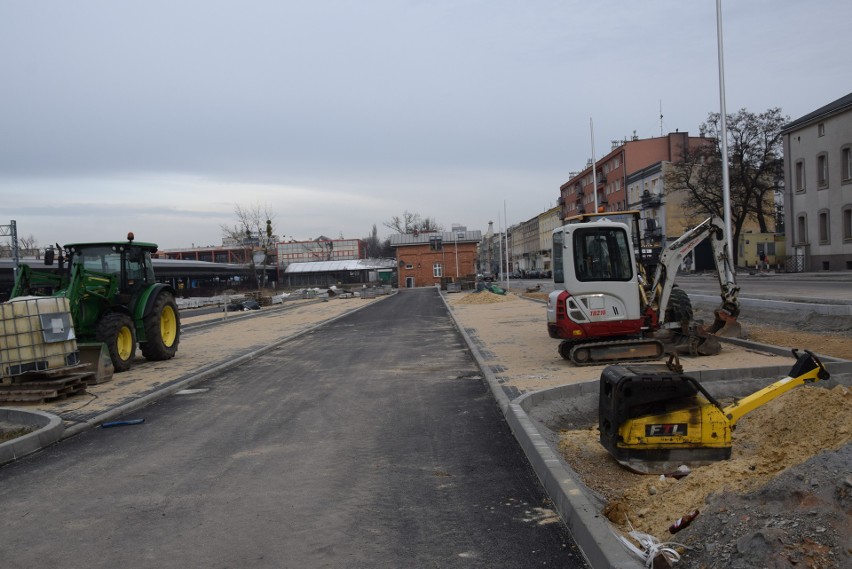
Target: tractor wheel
{"points": [[162, 329], [680, 307], [116, 330]]}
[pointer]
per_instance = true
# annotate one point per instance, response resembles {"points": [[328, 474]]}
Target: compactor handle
{"points": [[808, 362]]}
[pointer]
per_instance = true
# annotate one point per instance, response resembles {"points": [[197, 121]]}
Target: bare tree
{"points": [[374, 246], [754, 149], [413, 223], [255, 232], [29, 246]]}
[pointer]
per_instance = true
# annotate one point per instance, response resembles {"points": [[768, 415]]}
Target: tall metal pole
{"points": [[456, 240], [726, 184], [16, 259], [506, 221], [594, 170], [500, 246]]}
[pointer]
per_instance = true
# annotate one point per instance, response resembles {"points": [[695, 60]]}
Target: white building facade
{"points": [[818, 188]]}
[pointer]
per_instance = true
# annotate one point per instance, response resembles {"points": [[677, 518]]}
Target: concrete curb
{"points": [[48, 430]]}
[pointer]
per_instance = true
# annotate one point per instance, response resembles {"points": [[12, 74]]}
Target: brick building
{"points": [[627, 157], [429, 259]]}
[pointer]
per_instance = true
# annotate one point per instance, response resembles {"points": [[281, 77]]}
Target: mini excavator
{"points": [[654, 420], [606, 307]]}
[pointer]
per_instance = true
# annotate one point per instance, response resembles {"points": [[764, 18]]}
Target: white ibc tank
{"points": [[36, 334]]}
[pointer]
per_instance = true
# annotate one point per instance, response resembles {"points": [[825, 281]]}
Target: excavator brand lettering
{"points": [[666, 430], [599, 312]]}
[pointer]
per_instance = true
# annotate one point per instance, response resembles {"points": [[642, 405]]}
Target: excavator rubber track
{"points": [[633, 350]]}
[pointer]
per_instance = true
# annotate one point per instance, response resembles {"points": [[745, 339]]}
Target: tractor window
{"points": [[136, 267], [149, 268], [602, 254], [100, 259]]}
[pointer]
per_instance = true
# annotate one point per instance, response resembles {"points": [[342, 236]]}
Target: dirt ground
{"points": [[784, 498]]}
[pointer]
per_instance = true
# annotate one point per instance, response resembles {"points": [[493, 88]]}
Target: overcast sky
{"points": [[159, 116]]}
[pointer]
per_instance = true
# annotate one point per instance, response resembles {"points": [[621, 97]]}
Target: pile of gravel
{"points": [[801, 518]]}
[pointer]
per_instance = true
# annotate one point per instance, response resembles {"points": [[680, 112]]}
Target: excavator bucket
{"points": [[96, 355], [725, 325]]}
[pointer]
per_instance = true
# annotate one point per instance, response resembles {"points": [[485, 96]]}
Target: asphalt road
{"points": [[828, 288], [373, 442]]}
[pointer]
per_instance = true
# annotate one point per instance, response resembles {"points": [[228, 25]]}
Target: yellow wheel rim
{"points": [[168, 326], [124, 343]]}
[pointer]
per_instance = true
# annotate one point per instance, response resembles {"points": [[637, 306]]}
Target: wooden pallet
{"points": [[45, 386]]}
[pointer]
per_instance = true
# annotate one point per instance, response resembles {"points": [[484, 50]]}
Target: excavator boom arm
{"points": [[674, 254]]}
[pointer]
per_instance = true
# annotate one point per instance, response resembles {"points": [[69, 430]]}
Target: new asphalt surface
{"points": [[371, 442]]}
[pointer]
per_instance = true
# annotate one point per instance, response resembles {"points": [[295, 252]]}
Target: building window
{"points": [[800, 176], [437, 270], [821, 129], [409, 266], [822, 170], [801, 230], [435, 244], [823, 228], [846, 160], [847, 223]]}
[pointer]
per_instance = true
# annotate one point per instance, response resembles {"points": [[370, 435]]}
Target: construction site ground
{"points": [[782, 501]]}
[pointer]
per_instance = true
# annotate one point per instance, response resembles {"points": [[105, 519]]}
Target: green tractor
{"points": [[115, 300]]}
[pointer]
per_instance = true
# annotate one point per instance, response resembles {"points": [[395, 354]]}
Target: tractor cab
{"points": [[129, 263]]}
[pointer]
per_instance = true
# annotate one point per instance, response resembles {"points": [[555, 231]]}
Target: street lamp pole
{"points": [[456, 242], [726, 182], [594, 170]]}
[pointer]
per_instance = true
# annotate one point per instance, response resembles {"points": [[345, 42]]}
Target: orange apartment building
{"points": [[627, 157], [429, 259]]}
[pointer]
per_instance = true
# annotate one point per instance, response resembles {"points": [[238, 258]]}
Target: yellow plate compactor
{"points": [[654, 419]]}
